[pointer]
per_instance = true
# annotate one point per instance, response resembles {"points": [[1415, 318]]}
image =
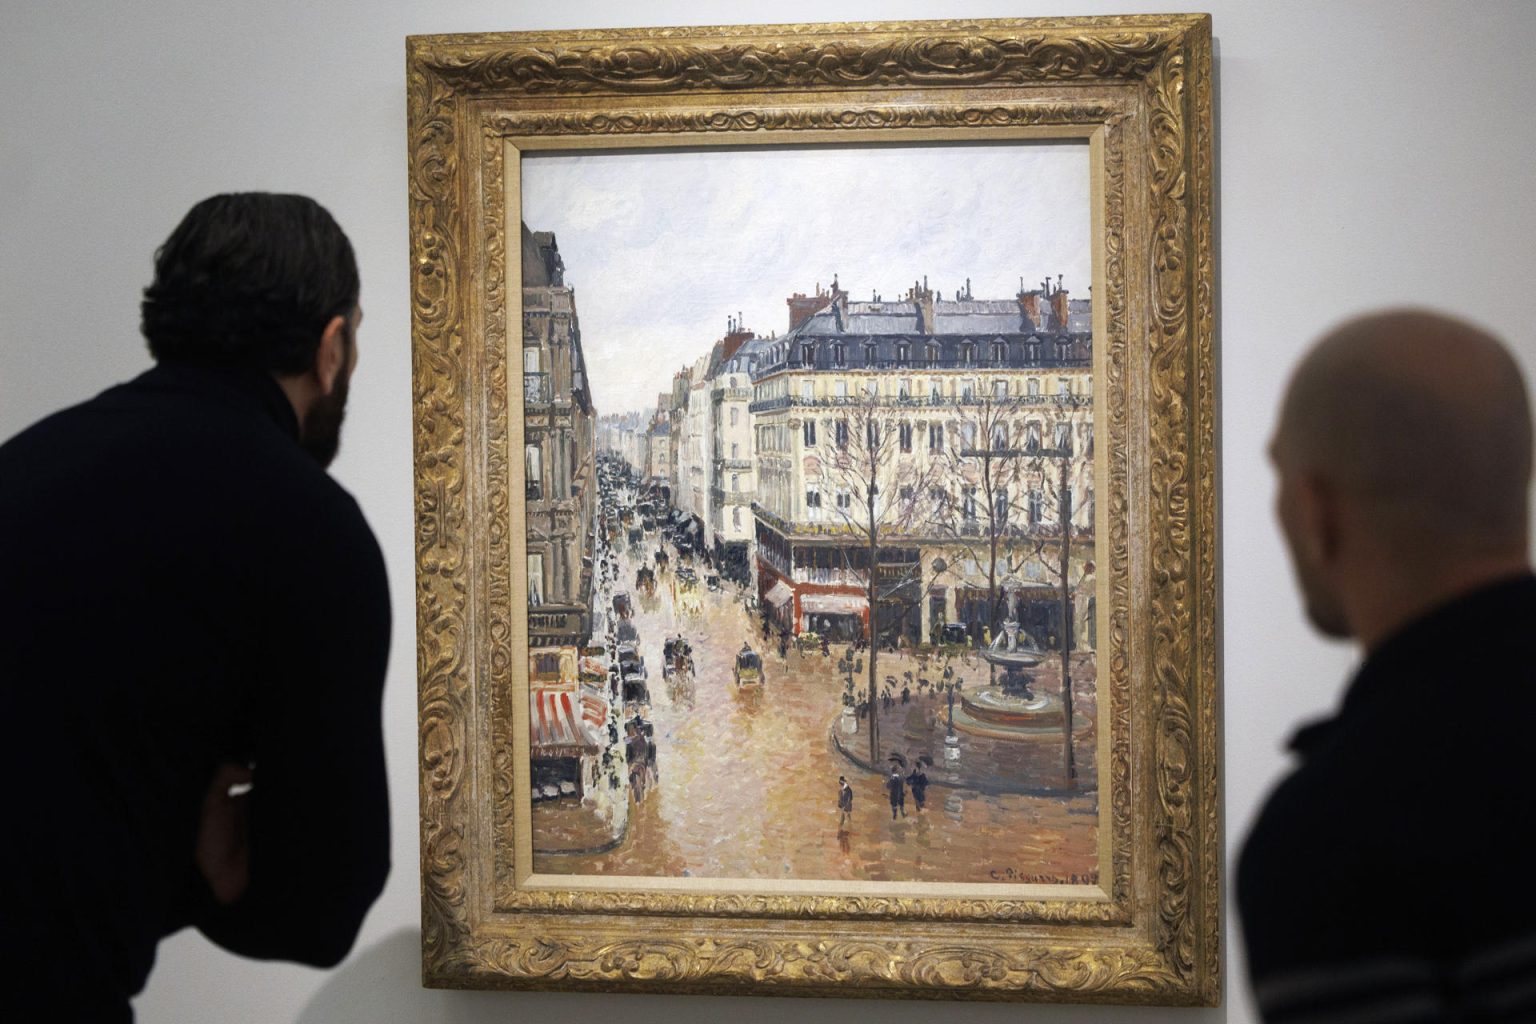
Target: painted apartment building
{"points": [[957, 433], [729, 526], [559, 431], [657, 471], [573, 721]]}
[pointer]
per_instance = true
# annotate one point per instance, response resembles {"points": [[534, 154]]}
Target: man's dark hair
{"points": [[249, 280]]}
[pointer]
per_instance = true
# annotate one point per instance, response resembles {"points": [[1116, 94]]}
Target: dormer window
{"points": [[807, 353], [999, 351], [869, 354], [839, 355], [902, 353], [968, 352], [933, 353]]}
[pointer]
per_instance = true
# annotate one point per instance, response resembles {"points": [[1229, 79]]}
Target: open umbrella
{"points": [[924, 759], [899, 759]]}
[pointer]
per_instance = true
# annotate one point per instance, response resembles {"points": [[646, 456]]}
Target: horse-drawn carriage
{"points": [[645, 580], [748, 670], [677, 657]]}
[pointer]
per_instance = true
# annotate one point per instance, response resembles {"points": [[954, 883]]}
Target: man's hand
{"points": [[223, 833]]}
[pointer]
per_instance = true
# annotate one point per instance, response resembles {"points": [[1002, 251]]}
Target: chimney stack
{"points": [[1029, 308], [1059, 305], [802, 307], [922, 297]]}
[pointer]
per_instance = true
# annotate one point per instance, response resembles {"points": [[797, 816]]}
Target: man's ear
{"points": [[331, 355], [1320, 513]]}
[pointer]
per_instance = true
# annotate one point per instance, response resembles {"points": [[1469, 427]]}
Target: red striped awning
{"points": [[562, 718]]}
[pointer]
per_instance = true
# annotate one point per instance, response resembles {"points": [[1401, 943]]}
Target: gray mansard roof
{"points": [[966, 333]]}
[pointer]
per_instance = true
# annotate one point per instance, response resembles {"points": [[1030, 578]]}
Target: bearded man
{"points": [[194, 626], [1382, 879]]}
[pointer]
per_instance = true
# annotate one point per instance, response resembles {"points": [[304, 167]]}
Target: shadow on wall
{"points": [[381, 985]]}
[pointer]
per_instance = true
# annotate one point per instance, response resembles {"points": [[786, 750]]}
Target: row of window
{"points": [[997, 351], [965, 437], [561, 481], [1031, 503], [966, 390]]}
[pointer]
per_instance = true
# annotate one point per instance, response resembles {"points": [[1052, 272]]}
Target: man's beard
{"points": [[320, 435]]}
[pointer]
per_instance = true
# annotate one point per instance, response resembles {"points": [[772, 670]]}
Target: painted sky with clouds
{"points": [[662, 246]]}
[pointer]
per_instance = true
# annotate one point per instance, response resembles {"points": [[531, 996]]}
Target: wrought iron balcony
{"points": [[920, 402]]}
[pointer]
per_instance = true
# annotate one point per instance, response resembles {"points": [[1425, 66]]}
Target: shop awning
{"points": [[565, 719], [833, 604], [779, 594]]}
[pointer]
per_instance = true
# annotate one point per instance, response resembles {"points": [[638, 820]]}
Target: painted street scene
{"points": [[812, 596]]}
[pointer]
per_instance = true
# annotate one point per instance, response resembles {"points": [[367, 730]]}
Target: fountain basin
{"points": [[1015, 659], [994, 707]]}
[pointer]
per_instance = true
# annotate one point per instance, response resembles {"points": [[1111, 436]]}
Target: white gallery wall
{"points": [[1368, 154]]}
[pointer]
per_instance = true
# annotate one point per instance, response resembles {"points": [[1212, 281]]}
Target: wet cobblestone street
{"points": [[748, 780]]}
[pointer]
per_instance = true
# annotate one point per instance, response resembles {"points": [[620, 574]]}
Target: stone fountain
{"points": [[1011, 709]]}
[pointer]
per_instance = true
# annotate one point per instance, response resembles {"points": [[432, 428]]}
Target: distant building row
{"points": [[953, 438]]}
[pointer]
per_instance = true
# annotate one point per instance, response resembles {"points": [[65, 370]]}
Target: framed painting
{"points": [[816, 526]]}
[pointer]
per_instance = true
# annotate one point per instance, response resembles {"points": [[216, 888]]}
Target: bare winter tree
{"points": [[1058, 470], [1017, 467], [877, 486], [985, 463]]}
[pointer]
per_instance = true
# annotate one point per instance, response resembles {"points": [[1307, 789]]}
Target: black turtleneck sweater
{"points": [[1387, 878], [181, 585]]}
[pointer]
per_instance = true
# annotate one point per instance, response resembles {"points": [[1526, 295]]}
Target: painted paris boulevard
{"points": [[732, 781]]}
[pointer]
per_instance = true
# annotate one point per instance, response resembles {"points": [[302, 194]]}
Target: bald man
{"points": [[1385, 878]]}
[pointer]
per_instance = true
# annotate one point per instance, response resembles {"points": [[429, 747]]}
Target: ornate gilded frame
{"points": [[1139, 90]]}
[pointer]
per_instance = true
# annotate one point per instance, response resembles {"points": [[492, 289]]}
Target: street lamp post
{"points": [[1068, 758]]}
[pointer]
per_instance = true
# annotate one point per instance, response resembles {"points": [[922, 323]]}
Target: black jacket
{"points": [[180, 585], [1384, 878]]}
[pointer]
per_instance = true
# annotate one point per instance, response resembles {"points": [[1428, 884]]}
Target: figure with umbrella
{"points": [[918, 779], [896, 785]]}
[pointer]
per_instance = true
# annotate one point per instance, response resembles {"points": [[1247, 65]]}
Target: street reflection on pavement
{"points": [[748, 780]]}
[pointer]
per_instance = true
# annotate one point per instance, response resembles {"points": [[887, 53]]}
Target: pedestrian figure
{"points": [[906, 694], [898, 790], [844, 801], [919, 782]]}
